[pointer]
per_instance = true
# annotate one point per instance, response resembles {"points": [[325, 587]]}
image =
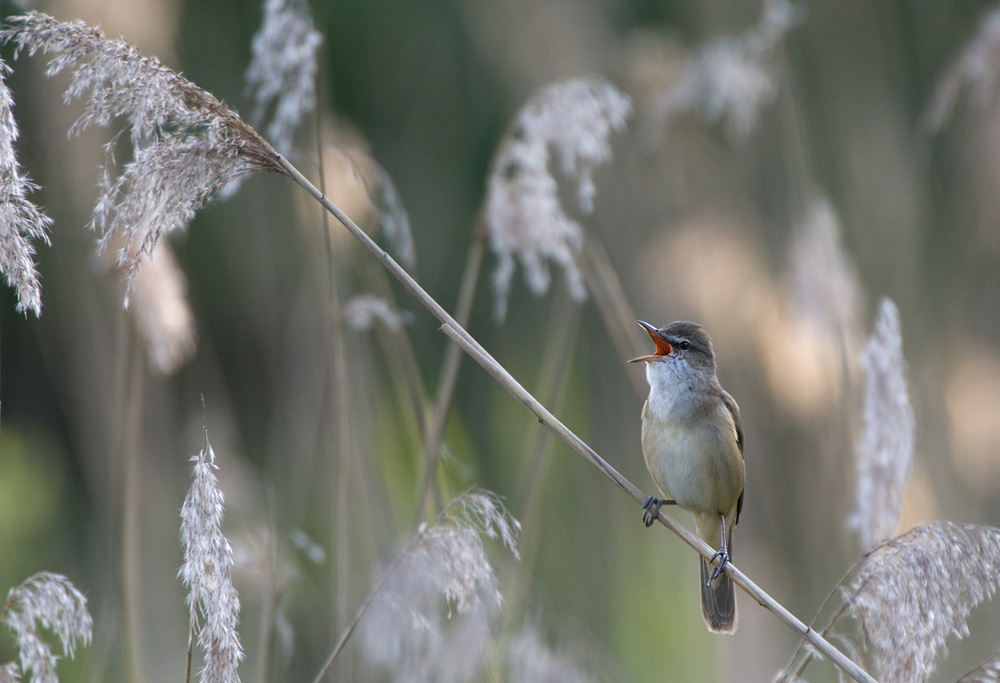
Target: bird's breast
{"points": [[693, 455]]}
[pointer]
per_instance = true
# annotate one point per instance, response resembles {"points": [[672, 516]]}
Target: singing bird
{"points": [[692, 440]]}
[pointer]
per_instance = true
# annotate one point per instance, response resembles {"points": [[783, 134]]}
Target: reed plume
{"points": [[21, 222], [185, 144]]}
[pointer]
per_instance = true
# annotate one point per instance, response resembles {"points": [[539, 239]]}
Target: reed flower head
{"points": [[914, 591], [186, 144], [208, 562], [531, 660], [885, 452], [361, 312], [432, 615], [729, 80], [46, 603], [977, 67], [20, 220], [163, 316], [522, 214], [283, 69]]}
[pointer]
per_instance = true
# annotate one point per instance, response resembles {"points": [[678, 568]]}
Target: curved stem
{"points": [[449, 371], [472, 347]]}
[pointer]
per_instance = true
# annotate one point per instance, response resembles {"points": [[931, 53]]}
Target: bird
{"points": [[692, 441]]}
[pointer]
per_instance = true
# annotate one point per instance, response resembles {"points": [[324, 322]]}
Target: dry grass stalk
{"points": [[46, 603], [522, 212], [186, 144], [208, 562], [885, 452], [21, 222], [474, 349]]}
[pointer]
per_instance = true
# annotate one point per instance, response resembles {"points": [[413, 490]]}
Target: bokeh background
{"points": [[780, 239]]}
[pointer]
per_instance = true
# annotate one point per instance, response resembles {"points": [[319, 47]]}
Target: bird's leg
{"points": [[651, 510], [722, 554]]}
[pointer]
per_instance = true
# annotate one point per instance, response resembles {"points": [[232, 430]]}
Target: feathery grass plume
{"points": [[364, 310], [432, 615], [885, 451], [283, 69], [48, 602], [208, 561], [913, 591], [20, 220], [978, 67], [162, 314], [522, 213], [530, 660], [186, 144], [729, 80]]}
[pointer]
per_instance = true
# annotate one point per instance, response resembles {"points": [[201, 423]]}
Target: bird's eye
{"points": [[683, 344]]}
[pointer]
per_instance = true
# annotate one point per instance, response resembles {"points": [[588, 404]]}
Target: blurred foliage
{"points": [[699, 226]]}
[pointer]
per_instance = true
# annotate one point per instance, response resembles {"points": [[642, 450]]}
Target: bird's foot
{"points": [[651, 510], [723, 558]]}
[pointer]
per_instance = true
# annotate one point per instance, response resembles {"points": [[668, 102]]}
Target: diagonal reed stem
{"points": [[474, 349], [449, 371]]}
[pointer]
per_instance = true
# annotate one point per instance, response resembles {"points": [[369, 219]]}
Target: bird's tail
{"points": [[718, 600]]}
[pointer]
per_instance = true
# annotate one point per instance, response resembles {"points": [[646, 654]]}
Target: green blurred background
{"points": [[701, 225]]}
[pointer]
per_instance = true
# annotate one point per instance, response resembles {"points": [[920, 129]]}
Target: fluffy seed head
{"points": [[45, 603], [208, 562], [283, 69], [186, 144], [523, 215], [20, 220], [885, 452], [914, 591], [432, 619]]}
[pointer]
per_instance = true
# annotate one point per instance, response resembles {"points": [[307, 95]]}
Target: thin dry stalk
{"points": [[434, 435], [472, 347], [612, 304], [534, 476], [132, 375]]}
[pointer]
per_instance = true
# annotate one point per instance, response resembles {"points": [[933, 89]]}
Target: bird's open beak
{"points": [[663, 347]]}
